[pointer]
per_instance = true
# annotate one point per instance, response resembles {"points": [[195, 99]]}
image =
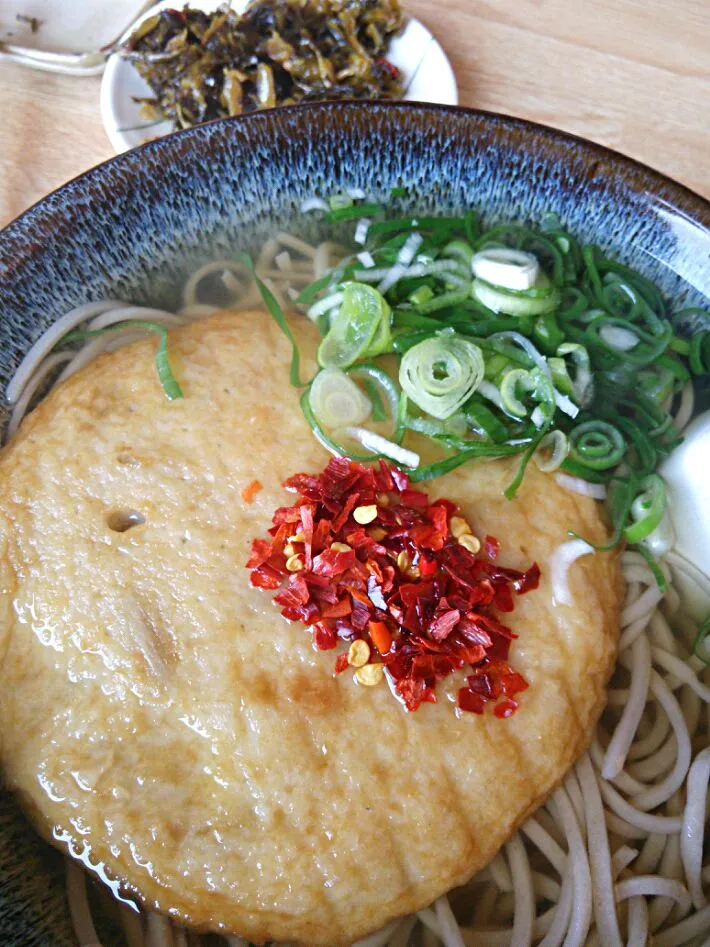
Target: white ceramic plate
{"points": [[65, 26], [427, 72]]}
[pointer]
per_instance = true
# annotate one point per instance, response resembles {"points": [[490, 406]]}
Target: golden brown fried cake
{"points": [[160, 712]]}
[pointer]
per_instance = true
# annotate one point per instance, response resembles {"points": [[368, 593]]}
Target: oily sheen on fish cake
{"points": [[160, 712]]}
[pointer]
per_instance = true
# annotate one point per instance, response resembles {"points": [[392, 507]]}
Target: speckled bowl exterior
{"points": [[133, 227]]}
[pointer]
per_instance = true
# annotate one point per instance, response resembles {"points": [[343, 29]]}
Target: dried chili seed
{"points": [[365, 514], [358, 653], [370, 674], [469, 542], [459, 527]]}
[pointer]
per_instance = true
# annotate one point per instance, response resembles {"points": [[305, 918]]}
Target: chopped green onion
{"points": [[328, 442], [421, 296], [699, 354], [372, 375], [470, 226], [378, 408], [381, 447], [424, 224], [483, 420], [647, 509], [308, 295], [353, 213], [620, 500], [340, 201], [543, 297], [481, 450], [441, 373], [336, 400], [168, 381], [547, 333], [357, 327], [597, 445], [279, 318], [508, 385], [459, 250], [655, 568], [551, 451], [443, 301], [574, 469], [514, 484]]}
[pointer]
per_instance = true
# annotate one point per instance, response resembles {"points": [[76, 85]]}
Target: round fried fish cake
{"points": [[158, 711]]}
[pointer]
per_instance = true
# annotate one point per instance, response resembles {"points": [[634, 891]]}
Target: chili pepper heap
{"points": [[361, 557]]}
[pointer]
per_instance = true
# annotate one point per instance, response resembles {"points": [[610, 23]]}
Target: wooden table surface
{"points": [[631, 74]]}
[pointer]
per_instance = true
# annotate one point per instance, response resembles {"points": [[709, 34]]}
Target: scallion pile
{"points": [[510, 340]]}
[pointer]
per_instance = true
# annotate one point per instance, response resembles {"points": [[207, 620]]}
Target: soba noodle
{"points": [[616, 853]]}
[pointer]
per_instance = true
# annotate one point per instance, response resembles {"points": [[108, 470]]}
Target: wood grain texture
{"points": [[631, 74]]}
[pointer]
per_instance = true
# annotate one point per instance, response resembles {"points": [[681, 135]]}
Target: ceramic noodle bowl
{"points": [[135, 227]]}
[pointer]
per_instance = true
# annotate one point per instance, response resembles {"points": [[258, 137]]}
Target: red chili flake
{"points": [[341, 609], [474, 703], [325, 637], [415, 498], [491, 547], [422, 601], [251, 490], [443, 624], [341, 663]]}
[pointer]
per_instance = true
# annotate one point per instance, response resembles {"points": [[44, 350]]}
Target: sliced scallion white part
{"points": [[361, 229], [337, 401], [367, 259], [404, 258], [526, 345], [491, 392], [416, 269], [597, 491], [517, 302], [560, 561], [380, 445], [506, 268], [566, 404], [325, 305], [551, 451], [662, 539], [441, 373], [538, 417], [619, 338], [583, 381]]}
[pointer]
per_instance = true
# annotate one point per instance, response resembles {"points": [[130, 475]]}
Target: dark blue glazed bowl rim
{"points": [[606, 159]]}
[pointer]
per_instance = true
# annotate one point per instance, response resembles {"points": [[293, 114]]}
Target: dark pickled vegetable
{"points": [[202, 66]]}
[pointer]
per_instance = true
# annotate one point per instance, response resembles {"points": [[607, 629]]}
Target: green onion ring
{"points": [[647, 509], [168, 381], [597, 444]]}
